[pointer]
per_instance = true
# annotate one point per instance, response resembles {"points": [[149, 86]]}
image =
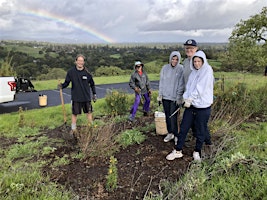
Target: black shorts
{"points": [[77, 107]]}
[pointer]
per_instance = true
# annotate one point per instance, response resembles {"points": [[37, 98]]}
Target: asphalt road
{"points": [[30, 100]]}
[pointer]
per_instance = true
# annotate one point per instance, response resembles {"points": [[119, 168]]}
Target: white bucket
{"points": [[160, 123]]}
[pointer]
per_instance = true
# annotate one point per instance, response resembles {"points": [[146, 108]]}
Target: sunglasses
{"points": [[138, 66]]}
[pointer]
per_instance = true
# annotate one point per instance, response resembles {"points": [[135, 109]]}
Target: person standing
{"points": [[171, 88], [140, 83], [191, 48], [82, 85], [198, 98]]}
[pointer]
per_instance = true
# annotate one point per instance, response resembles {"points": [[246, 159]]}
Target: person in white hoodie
{"points": [[171, 88], [198, 98]]}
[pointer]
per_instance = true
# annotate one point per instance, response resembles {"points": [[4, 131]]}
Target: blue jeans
{"points": [[198, 118], [169, 108], [137, 102]]}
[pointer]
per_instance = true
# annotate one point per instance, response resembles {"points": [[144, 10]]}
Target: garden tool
{"points": [[63, 104], [178, 109]]}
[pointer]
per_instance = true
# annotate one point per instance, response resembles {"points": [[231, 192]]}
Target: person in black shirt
{"points": [[82, 85]]}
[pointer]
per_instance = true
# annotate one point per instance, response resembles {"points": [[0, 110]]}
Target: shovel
{"points": [[63, 105]]}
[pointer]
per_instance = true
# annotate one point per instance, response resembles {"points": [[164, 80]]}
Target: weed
{"points": [[61, 161], [21, 122]]}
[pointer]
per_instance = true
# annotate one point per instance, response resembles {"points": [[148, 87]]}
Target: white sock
{"points": [[73, 127]]}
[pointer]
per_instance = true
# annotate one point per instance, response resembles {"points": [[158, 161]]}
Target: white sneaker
{"points": [[174, 154], [169, 137], [196, 156]]}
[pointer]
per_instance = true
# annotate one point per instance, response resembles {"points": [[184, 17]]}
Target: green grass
{"points": [[239, 170]]}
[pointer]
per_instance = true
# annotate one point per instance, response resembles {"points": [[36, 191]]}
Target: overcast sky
{"points": [[119, 21]]}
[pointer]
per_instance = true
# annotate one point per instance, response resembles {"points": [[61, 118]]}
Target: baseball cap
{"points": [[190, 42], [138, 63]]}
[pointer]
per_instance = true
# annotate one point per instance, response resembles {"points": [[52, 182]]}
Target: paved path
{"points": [[30, 100]]}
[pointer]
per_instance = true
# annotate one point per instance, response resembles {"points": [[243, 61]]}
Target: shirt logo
{"points": [[84, 77]]}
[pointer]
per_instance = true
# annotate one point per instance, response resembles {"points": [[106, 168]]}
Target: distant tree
{"points": [[55, 73], [247, 47]]}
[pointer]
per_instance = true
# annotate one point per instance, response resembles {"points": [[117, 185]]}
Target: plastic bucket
{"points": [[160, 123], [42, 100]]}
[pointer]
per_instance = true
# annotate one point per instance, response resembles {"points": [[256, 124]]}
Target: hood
{"points": [[202, 55], [175, 53]]}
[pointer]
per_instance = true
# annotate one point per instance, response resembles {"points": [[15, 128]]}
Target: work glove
{"points": [[59, 86], [179, 102], [187, 103], [159, 99], [137, 90], [94, 98]]}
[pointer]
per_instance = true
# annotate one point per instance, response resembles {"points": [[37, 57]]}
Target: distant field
{"points": [[34, 52]]}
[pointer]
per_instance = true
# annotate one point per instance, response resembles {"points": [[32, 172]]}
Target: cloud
{"points": [[124, 21]]}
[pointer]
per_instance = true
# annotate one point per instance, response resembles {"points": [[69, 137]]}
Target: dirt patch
{"points": [[141, 167]]}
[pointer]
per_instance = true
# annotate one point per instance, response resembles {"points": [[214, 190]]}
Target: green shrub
{"points": [[116, 102], [130, 137]]}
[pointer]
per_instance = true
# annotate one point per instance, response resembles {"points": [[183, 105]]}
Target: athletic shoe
{"points": [[169, 137], [174, 154], [131, 118], [196, 156]]}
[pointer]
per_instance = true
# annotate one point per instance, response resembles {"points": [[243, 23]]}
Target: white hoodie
{"points": [[199, 87]]}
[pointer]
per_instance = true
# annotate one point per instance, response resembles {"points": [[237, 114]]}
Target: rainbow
{"points": [[68, 22]]}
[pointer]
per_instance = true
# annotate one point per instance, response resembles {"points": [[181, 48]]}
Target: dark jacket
{"points": [[142, 82], [81, 84]]}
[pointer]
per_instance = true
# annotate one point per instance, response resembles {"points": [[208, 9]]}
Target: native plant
{"points": [[112, 177], [236, 105], [130, 137], [116, 102]]}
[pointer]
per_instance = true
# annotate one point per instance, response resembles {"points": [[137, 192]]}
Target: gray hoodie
{"points": [[171, 84]]}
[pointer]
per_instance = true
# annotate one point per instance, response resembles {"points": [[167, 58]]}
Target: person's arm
{"points": [[132, 82], [67, 81], [148, 83], [92, 85]]}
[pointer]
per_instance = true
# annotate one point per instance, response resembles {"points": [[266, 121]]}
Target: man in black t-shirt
{"points": [[82, 86]]}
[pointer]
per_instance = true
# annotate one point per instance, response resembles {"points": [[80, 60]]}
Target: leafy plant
{"points": [[130, 137], [112, 177], [116, 102]]}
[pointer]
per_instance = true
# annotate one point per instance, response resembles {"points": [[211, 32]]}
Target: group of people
{"points": [[188, 85]]}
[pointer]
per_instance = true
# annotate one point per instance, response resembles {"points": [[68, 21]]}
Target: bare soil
{"points": [[141, 167]]}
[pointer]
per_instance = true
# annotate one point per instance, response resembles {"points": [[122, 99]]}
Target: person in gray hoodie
{"points": [[198, 98], [171, 88]]}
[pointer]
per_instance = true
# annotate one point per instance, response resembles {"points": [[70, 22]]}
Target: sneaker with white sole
{"points": [[174, 154], [169, 137], [196, 156]]}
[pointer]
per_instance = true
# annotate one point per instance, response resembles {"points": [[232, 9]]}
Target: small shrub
{"points": [[116, 102], [130, 137]]}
